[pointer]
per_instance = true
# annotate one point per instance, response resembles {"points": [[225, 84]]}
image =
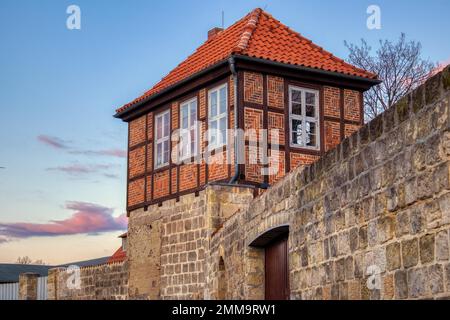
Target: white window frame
{"points": [[162, 139], [187, 104], [218, 116], [304, 118]]}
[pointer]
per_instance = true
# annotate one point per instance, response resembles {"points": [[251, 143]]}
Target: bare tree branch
{"points": [[399, 65]]}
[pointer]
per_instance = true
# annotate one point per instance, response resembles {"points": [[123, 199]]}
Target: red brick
{"points": [[136, 190], [275, 92], [352, 105], [276, 121], [188, 177], [253, 87], [332, 134], [137, 162], [218, 167], [298, 159], [161, 184], [277, 158], [350, 129], [175, 121], [332, 102], [137, 131], [253, 170]]}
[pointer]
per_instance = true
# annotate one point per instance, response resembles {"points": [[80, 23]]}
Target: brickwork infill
{"points": [[369, 220]]}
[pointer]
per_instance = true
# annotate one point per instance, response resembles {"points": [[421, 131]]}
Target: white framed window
{"points": [[218, 117], [162, 136], [189, 129], [304, 125]]}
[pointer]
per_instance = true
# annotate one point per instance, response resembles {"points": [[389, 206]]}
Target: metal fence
{"points": [[42, 293], [9, 291]]}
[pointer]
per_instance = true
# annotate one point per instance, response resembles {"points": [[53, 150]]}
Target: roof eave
{"points": [[122, 114], [334, 74]]}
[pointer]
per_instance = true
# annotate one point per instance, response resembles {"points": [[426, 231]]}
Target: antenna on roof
{"points": [[223, 19]]}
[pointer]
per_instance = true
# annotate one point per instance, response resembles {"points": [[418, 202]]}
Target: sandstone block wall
{"points": [[369, 220], [102, 282], [168, 245]]}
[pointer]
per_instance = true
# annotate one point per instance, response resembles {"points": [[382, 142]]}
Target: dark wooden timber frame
{"points": [[218, 75]]}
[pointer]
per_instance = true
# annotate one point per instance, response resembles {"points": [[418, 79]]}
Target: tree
{"points": [[27, 260], [398, 64], [24, 260]]}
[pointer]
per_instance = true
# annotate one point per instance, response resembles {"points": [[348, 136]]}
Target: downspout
{"points": [[235, 177]]}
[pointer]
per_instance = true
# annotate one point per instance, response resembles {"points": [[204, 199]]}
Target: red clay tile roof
{"points": [[118, 256], [256, 35]]}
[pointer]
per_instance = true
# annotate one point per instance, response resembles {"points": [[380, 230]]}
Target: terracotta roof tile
{"points": [[118, 256], [256, 35]]}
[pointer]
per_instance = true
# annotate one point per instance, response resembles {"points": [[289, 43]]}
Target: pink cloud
{"points": [[80, 169], [53, 142], [87, 218], [61, 144], [119, 153]]}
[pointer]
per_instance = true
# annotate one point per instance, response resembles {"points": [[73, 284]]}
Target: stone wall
{"points": [[168, 245], [102, 282], [369, 220]]}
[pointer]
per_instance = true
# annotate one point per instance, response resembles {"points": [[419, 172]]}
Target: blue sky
{"points": [[59, 89]]}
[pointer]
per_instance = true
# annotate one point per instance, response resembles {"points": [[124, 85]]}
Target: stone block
{"points": [[410, 253], [427, 248], [393, 256]]}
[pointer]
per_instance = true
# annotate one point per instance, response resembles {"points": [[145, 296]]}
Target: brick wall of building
{"points": [[264, 106], [147, 186]]}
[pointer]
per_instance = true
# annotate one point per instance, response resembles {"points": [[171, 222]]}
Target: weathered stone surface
{"points": [[388, 287], [442, 246], [417, 282], [401, 284], [427, 248], [410, 253], [393, 256], [436, 279]]}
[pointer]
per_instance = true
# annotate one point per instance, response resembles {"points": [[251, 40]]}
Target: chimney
{"points": [[214, 32]]}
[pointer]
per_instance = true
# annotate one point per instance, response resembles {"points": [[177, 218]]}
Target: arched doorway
{"points": [[275, 244]]}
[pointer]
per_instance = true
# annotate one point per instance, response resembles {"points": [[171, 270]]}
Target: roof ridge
{"points": [[248, 31]]}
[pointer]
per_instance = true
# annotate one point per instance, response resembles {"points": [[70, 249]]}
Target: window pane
{"points": [[213, 101], [310, 98], [166, 156], [166, 151], [184, 118], [223, 100], [311, 132], [184, 142], [166, 125], [158, 154], [296, 96], [310, 111], [297, 109], [213, 132], [158, 128], [297, 132], [193, 111], [223, 136], [223, 123]]}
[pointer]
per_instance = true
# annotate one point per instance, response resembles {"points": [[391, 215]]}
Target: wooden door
{"points": [[277, 270]]}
